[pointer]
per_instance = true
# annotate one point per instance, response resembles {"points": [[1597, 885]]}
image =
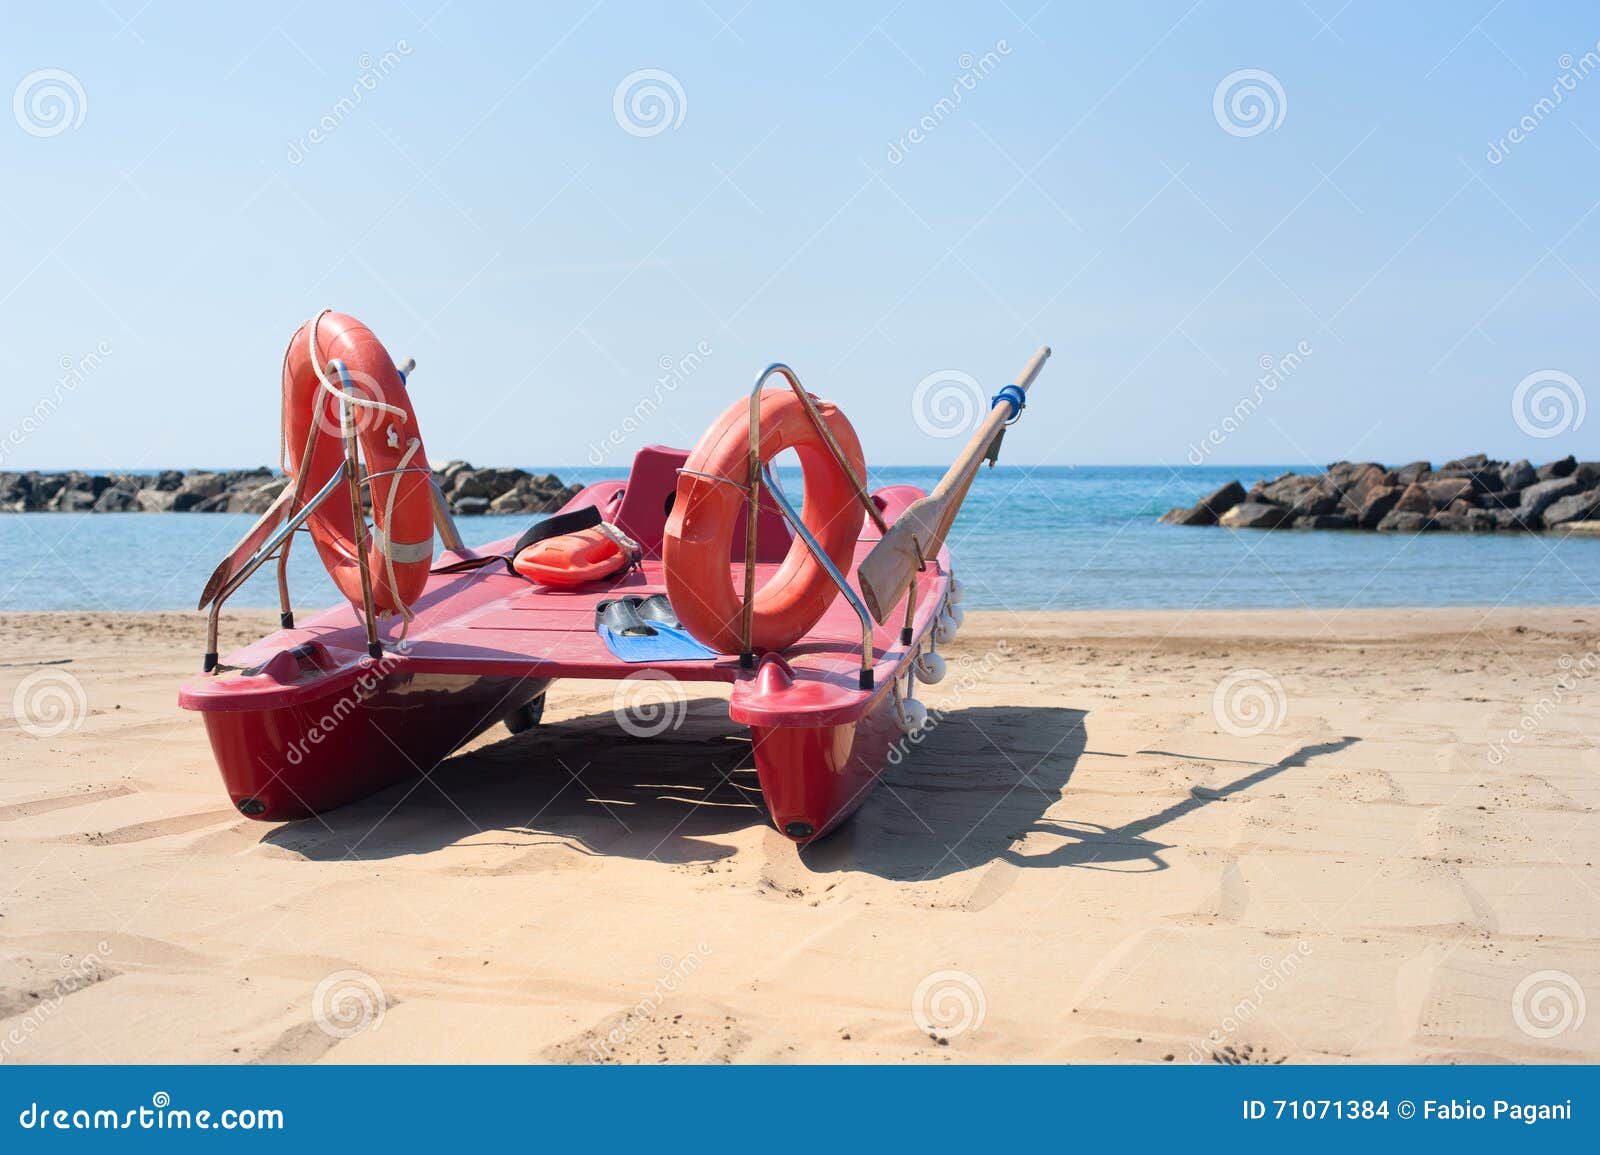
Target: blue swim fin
{"points": [[639, 629]]}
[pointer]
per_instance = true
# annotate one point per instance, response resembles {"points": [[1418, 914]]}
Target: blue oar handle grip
{"points": [[1011, 395]]}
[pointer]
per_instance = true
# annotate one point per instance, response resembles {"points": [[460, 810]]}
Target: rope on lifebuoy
{"points": [[388, 547], [355, 400], [342, 395]]}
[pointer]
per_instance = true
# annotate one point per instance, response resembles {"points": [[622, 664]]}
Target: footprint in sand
{"points": [[46, 803], [157, 828]]}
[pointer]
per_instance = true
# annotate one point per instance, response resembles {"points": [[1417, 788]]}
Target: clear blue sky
{"points": [[485, 210]]}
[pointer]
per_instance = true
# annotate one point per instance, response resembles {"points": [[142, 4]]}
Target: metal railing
{"points": [[758, 475], [273, 533]]}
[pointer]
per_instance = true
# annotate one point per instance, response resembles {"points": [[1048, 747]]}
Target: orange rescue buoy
{"points": [[400, 550], [572, 559], [698, 543]]}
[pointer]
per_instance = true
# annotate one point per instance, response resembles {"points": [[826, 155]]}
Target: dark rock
{"points": [[470, 506], [509, 502], [1188, 515], [1377, 504], [1288, 489], [1481, 480], [1417, 470], [1254, 515], [511, 490], [1587, 474], [1518, 475], [1536, 498], [1402, 521], [203, 485], [1500, 499], [1322, 498], [1554, 469], [1207, 510], [1461, 516], [254, 498], [120, 497], [1472, 463], [1414, 499], [503, 480], [1574, 507], [1219, 501], [1326, 521], [1359, 485], [1443, 490], [1342, 473]]}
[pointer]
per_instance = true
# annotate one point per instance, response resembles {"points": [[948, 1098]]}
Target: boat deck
{"points": [[493, 623]]}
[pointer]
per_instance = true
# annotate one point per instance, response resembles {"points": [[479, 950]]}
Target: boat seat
{"points": [[647, 498]]}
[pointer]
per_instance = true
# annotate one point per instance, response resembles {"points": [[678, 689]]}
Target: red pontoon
{"points": [[329, 710]]}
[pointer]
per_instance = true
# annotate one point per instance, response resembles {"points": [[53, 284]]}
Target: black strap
{"points": [[585, 518]]}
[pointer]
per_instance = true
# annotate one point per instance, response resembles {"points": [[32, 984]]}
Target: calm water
{"points": [[1052, 538]]}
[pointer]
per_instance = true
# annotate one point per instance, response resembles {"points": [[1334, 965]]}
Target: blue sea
{"points": [[1047, 538]]}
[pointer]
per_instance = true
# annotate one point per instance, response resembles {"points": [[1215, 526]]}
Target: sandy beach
{"points": [[1130, 837]]}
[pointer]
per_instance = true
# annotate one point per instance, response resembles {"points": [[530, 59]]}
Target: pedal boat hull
{"points": [[304, 721]]}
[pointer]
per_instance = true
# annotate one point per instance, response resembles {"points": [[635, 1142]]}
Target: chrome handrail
{"points": [[259, 558], [348, 473], [792, 516], [757, 469]]}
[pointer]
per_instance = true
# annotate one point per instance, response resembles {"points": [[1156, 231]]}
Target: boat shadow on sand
{"points": [[977, 783]]}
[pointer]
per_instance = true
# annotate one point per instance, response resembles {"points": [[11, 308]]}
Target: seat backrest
{"points": [[647, 499]]}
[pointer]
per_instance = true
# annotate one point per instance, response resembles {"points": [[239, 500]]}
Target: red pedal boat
{"points": [[356, 699]]}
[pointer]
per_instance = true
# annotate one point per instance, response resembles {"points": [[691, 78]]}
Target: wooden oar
{"points": [[920, 531]]}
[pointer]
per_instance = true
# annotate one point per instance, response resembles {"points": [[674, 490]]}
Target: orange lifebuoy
{"points": [[400, 551], [571, 559], [698, 543]]}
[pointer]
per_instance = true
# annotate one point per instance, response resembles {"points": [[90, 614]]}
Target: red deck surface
{"points": [[494, 624]]}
